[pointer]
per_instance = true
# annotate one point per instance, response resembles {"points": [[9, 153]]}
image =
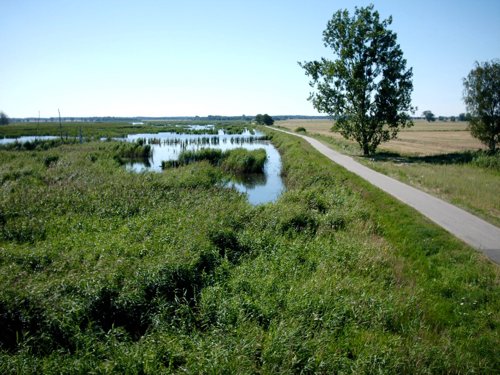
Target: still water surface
{"points": [[260, 188], [27, 138]]}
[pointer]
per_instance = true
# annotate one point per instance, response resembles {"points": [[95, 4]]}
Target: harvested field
{"points": [[422, 139]]}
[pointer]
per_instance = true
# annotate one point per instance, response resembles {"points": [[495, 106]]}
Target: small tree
{"points": [[482, 98], [461, 117], [429, 116], [264, 119], [4, 119], [268, 120], [367, 87]]}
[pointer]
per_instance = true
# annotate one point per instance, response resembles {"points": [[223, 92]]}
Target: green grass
{"points": [[116, 129], [102, 270], [88, 129]]}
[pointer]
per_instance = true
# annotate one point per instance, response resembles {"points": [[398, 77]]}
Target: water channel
{"points": [[260, 188]]}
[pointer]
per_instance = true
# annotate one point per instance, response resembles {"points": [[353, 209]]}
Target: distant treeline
{"points": [[197, 118], [145, 118]]}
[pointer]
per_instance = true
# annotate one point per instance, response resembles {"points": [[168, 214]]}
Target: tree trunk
{"points": [[366, 149], [492, 145]]}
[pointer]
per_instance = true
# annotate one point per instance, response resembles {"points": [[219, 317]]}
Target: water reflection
{"points": [[251, 180], [260, 188], [27, 138], [200, 127]]}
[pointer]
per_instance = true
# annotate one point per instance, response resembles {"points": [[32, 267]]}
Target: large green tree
{"points": [[482, 98], [367, 87]]}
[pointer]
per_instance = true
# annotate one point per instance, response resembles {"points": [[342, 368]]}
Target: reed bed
{"points": [[106, 271]]}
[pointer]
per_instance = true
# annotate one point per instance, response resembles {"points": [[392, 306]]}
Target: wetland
{"points": [[105, 270]]}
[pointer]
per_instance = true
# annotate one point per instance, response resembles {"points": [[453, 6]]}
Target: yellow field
{"points": [[422, 139]]}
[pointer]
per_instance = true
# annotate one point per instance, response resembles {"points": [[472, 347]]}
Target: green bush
{"points": [[132, 151], [50, 160], [241, 161], [236, 161], [485, 160], [213, 156]]}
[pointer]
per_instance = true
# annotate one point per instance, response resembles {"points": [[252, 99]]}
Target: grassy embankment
{"points": [[440, 158], [102, 270]]}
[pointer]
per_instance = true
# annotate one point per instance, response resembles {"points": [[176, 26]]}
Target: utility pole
{"points": [[60, 124]]}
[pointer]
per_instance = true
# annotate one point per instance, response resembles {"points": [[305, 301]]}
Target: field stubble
{"points": [[421, 139]]}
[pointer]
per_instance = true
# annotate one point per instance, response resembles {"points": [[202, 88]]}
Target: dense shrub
{"points": [[132, 150], [487, 160], [235, 161], [244, 161]]}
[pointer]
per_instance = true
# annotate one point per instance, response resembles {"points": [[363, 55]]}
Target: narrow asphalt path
{"points": [[474, 231]]}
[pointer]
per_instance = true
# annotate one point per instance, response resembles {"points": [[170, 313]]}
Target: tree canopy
{"points": [[367, 87], [264, 119], [429, 116], [482, 98], [4, 119]]}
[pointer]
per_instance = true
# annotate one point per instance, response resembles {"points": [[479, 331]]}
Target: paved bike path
{"points": [[474, 231]]}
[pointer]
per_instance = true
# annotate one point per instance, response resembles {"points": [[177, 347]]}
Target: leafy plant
{"points": [[482, 98], [368, 87]]}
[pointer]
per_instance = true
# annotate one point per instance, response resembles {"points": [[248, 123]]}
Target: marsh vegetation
{"points": [[103, 270], [250, 171], [237, 161], [118, 129], [149, 151]]}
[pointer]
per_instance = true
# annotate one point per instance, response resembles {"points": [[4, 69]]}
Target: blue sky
{"points": [[195, 57]]}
